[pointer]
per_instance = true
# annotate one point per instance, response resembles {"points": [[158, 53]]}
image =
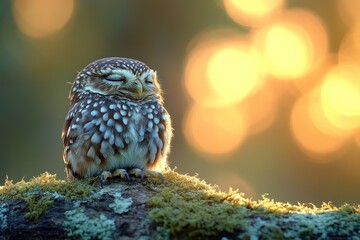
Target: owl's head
{"points": [[123, 77]]}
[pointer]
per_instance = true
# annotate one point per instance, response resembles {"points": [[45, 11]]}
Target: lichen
{"points": [[39, 193], [92, 225], [3, 217], [185, 206], [77, 224], [120, 204]]}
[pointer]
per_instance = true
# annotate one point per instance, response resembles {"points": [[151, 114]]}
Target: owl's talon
{"points": [[146, 173], [151, 173], [122, 173], [127, 176], [137, 172], [102, 181], [104, 175], [161, 177]]}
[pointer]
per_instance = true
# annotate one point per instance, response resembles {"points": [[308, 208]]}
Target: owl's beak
{"points": [[137, 86]]}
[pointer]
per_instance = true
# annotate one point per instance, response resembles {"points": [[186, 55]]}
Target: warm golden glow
{"points": [[288, 51], [349, 11], [259, 110], [340, 95], [293, 45], [215, 130], [195, 81], [357, 139], [349, 52], [222, 69], [233, 73], [315, 30], [40, 18], [318, 115], [226, 180], [308, 135], [252, 13], [309, 82]]}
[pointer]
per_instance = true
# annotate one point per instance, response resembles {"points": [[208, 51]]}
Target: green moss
{"points": [[185, 207], [39, 192], [188, 207]]}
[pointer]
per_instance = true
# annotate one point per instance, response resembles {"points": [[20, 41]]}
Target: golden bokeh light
{"points": [[309, 82], [293, 45], [260, 110], [319, 117], [195, 81], [221, 69], [214, 130], [314, 28], [308, 135], [252, 13], [349, 11], [233, 73], [288, 51], [226, 180], [40, 18], [340, 95], [349, 51]]}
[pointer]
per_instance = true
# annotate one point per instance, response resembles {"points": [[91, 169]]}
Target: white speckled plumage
{"points": [[112, 123]]}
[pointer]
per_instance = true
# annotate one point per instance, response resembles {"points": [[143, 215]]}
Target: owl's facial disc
{"points": [[131, 85], [124, 82]]}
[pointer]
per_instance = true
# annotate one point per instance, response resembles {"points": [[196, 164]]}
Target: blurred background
{"points": [[264, 94]]}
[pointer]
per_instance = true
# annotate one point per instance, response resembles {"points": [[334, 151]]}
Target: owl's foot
{"points": [[122, 173], [137, 172], [118, 172], [147, 173]]}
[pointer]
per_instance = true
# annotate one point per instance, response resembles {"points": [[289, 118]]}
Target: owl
{"points": [[117, 124]]}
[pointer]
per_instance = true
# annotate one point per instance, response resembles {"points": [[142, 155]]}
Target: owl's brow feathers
{"points": [[101, 65]]}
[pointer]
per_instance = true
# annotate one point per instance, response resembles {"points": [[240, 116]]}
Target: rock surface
{"points": [[181, 207], [117, 210]]}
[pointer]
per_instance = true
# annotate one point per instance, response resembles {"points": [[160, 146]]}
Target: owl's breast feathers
{"points": [[105, 133]]}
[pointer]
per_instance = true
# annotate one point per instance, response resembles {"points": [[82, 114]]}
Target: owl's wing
{"points": [[82, 140], [66, 128], [69, 136]]}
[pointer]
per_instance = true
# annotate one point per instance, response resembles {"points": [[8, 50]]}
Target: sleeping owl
{"points": [[117, 124]]}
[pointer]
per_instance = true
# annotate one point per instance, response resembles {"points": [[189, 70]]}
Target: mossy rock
{"points": [[181, 207]]}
